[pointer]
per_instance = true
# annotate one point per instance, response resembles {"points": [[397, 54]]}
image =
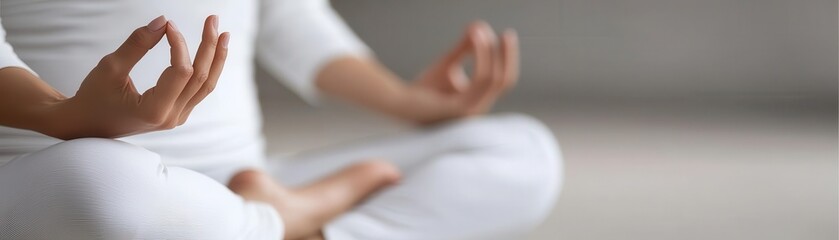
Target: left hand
{"points": [[455, 95]]}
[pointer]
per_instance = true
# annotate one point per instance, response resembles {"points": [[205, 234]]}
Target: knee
{"points": [[526, 140], [87, 162], [87, 157], [540, 152], [529, 161], [90, 188]]}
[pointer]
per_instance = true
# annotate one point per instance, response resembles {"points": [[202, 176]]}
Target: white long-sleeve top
{"points": [[62, 40]]}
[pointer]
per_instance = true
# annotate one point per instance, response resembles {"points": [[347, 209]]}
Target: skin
{"points": [[443, 92], [108, 105]]}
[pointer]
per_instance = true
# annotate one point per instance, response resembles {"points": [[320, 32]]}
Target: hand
{"points": [[446, 85], [108, 105]]}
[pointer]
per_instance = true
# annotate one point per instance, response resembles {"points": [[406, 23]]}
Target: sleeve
{"points": [[8, 58], [298, 37]]}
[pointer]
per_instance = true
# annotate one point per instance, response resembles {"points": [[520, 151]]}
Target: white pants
{"points": [[494, 177]]}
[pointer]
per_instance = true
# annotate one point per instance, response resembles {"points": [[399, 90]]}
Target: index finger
{"points": [[178, 50], [159, 100], [139, 43], [466, 45], [485, 61]]}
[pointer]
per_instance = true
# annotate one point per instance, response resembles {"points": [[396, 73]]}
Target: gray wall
{"points": [[637, 49]]}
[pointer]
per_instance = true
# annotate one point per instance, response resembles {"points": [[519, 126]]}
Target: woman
{"points": [[184, 170]]}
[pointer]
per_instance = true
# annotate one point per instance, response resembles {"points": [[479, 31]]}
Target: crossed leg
{"points": [[487, 178], [107, 189], [493, 177]]}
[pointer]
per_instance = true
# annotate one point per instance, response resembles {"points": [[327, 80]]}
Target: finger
{"points": [[220, 57], [457, 79], [158, 101], [136, 46], [203, 60], [452, 62], [464, 46], [177, 47], [497, 66], [510, 56], [482, 77]]}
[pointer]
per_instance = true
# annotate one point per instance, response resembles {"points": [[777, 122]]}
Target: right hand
{"points": [[108, 105]]}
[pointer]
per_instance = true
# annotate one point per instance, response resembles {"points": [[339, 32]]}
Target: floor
{"points": [[642, 170]]}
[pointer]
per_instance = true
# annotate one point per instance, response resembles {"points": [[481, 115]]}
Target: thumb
{"points": [[139, 43]]}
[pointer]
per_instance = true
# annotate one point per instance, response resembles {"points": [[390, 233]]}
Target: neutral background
{"points": [[678, 119]]}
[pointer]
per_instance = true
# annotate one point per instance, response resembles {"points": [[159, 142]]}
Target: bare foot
{"points": [[307, 209]]}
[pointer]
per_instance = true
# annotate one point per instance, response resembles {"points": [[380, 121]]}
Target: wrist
{"points": [[49, 116], [27, 102], [59, 119], [400, 103], [399, 100], [421, 106]]}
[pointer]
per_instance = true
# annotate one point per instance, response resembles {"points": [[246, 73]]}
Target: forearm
{"points": [[362, 82], [367, 83], [27, 102]]}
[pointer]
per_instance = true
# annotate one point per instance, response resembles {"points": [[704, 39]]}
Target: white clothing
{"points": [[490, 178], [97, 188], [63, 40], [487, 182]]}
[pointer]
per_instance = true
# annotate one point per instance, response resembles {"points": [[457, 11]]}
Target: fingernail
{"points": [[157, 23], [215, 23], [225, 40], [511, 33], [483, 35], [172, 23]]}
